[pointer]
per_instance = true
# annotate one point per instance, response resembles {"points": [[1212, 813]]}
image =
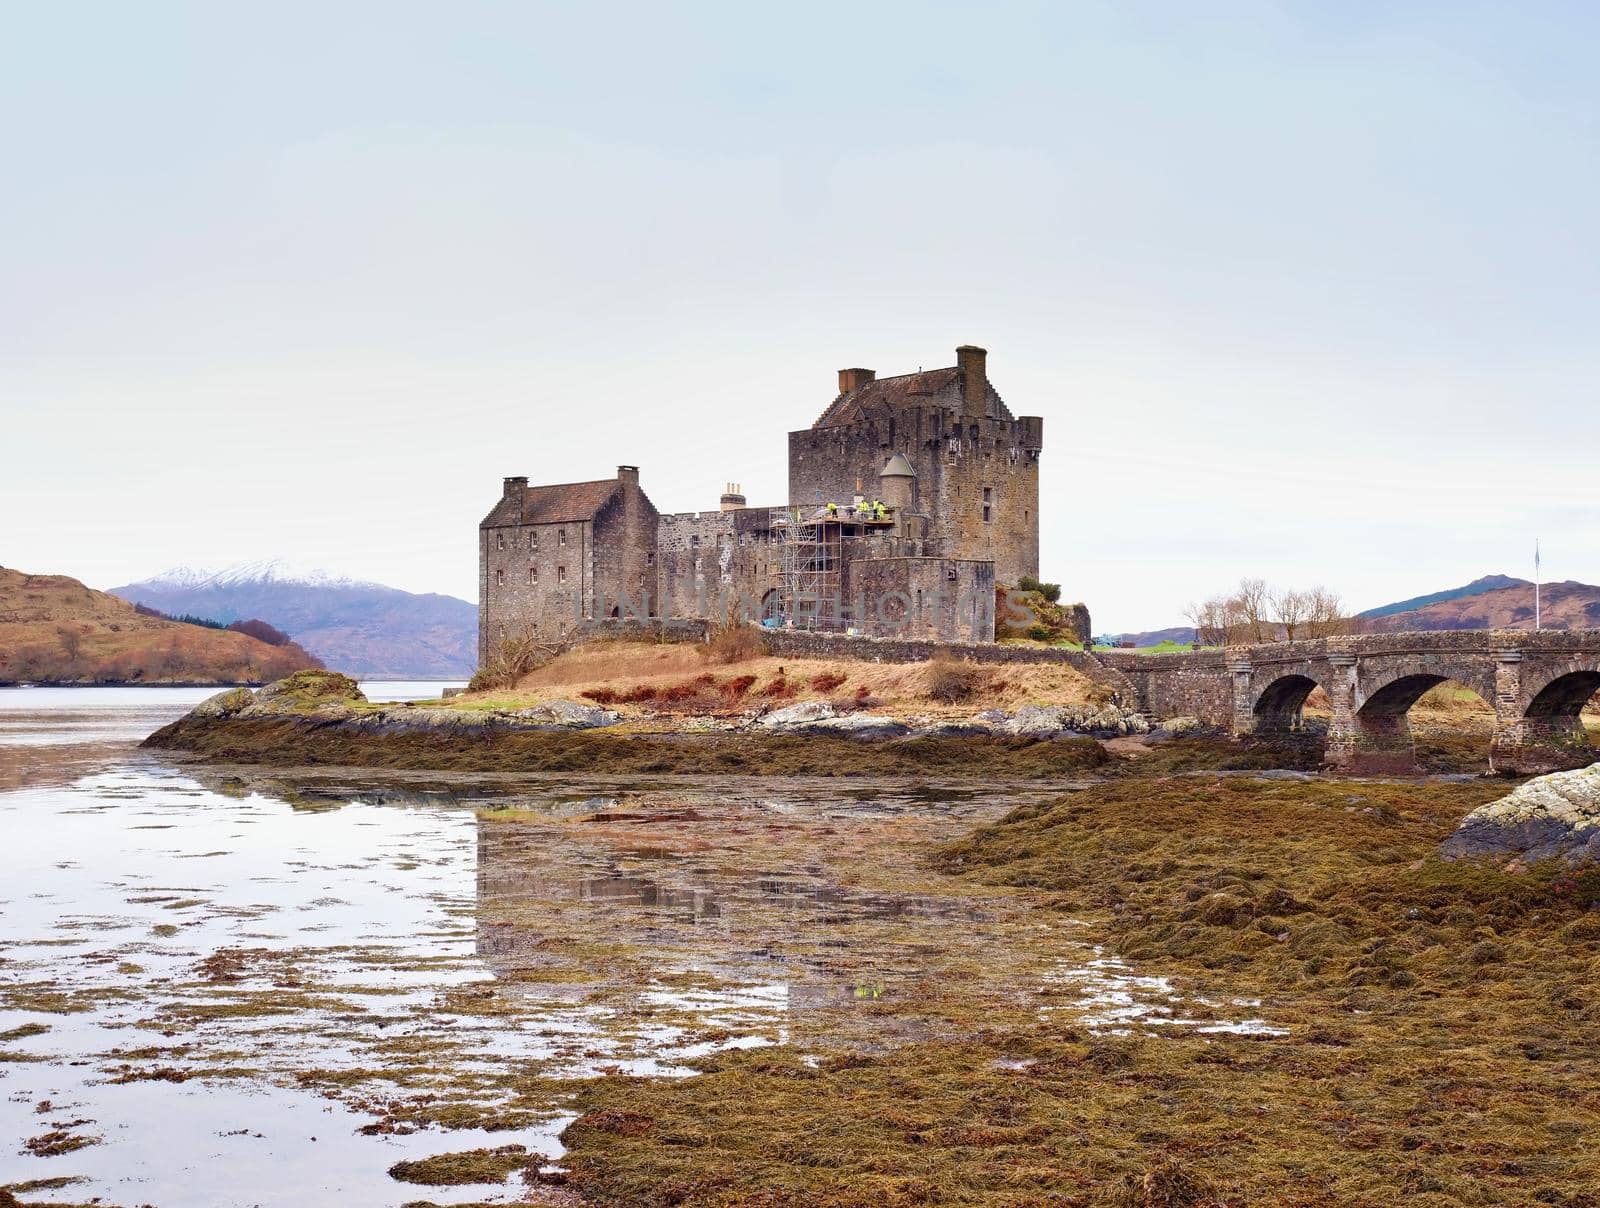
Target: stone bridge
{"points": [[1537, 684]]}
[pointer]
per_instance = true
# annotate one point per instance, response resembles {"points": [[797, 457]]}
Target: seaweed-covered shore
{"points": [[1434, 1030]]}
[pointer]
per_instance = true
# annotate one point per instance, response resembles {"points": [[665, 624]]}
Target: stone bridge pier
{"points": [[1536, 683]]}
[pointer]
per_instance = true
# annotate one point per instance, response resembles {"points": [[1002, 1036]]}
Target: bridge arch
{"points": [[1550, 730], [1384, 723], [1279, 706], [1564, 696]]}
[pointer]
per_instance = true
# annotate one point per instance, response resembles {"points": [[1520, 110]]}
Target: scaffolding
{"points": [[811, 590]]}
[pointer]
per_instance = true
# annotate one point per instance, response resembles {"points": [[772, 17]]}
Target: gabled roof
{"points": [[552, 504], [888, 394]]}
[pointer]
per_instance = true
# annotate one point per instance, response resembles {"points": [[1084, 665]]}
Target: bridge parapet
{"points": [[1536, 683]]}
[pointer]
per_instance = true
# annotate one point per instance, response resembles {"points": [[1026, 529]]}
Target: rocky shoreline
{"points": [[321, 718]]}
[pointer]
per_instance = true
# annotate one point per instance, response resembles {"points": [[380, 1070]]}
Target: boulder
{"points": [[859, 725], [793, 717], [1550, 817], [972, 728], [224, 704], [1038, 721], [411, 721], [1061, 721], [308, 691], [568, 715]]}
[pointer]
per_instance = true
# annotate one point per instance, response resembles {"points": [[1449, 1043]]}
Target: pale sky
{"points": [[1304, 291]]}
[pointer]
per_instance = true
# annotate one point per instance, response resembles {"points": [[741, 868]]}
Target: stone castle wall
{"points": [[977, 478], [534, 579], [709, 560], [943, 599]]}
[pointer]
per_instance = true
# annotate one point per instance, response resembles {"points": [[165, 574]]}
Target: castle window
{"points": [[533, 575], [499, 578], [650, 558], [499, 541], [533, 541], [988, 494], [973, 433], [986, 511], [561, 574], [561, 536]]}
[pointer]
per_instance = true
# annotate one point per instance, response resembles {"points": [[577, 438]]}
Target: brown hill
{"points": [[1568, 605], [53, 629]]}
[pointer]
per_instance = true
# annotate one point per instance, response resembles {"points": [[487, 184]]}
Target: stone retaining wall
{"points": [[1178, 685]]}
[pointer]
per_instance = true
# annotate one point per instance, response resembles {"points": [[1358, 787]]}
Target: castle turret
{"points": [[897, 483]]}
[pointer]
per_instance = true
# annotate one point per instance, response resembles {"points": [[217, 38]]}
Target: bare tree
{"points": [[1214, 620], [1291, 608], [1252, 599], [1256, 612], [1325, 613], [516, 655], [71, 642]]}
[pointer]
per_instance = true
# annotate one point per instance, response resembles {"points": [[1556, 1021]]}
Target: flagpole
{"points": [[1536, 618]]}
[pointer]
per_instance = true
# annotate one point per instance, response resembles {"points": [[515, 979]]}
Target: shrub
{"points": [[737, 687], [688, 690], [777, 688], [827, 681], [261, 631], [601, 696], [950, 682], [733, 643], [1049, 592]]}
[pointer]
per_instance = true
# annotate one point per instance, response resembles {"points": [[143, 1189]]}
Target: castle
{"points": [[910, 498]]}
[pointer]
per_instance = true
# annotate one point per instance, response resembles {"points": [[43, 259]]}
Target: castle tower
{"points": [[975, 466]]}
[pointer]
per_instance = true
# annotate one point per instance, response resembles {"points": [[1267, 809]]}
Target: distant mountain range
{"points": [[363, 629], [1477, 587], [1492, 602]]}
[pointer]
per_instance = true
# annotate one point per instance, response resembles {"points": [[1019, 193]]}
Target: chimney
{"points": [[972, 362], [514, 489], [628, 474], [849, 379], [732, 497]]}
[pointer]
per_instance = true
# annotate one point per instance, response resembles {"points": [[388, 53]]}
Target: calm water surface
{"points": [[226, 986]]}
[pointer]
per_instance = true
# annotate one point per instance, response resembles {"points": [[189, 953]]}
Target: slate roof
{"points": [[893, 393], [551, 504]]}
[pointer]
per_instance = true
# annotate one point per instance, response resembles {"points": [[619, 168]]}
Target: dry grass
{"points": [[53, 628], [638, 675], [732, 643]]}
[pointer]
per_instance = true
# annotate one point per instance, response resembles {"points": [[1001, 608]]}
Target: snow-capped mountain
{"points": [[274, 570], [361, 628]]}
